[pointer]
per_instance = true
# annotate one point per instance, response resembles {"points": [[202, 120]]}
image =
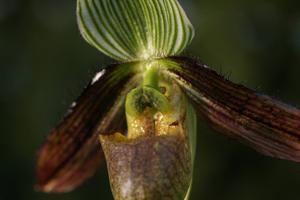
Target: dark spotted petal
{"points": [[265, 124], [71, 153]]}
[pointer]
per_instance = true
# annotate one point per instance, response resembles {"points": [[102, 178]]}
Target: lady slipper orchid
{"points": [[140, 115]]}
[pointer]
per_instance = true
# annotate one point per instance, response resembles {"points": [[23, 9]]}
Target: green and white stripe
{"points": [[129, 30]]}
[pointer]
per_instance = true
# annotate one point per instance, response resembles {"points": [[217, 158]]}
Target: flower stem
{"points": [[151, 78]]}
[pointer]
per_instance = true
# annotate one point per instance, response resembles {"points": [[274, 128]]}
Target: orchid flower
{"points": [[140, 115]]}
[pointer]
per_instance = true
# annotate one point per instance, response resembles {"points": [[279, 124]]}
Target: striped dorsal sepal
{"points": [[128, 30]]}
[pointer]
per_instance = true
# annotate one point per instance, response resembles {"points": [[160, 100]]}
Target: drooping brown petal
{"points": [[72, 153], [265, 124]]}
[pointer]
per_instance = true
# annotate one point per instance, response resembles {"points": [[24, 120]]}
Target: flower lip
{"points": [[148, 167]]}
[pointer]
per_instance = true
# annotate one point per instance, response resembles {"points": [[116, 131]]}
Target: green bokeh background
{"points": [[44, 65]]}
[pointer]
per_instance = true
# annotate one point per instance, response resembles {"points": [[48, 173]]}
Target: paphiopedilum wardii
{"points": [[143, 110]]}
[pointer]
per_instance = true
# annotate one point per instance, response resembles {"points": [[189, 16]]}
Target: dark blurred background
{"points": [[44, 65]]}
